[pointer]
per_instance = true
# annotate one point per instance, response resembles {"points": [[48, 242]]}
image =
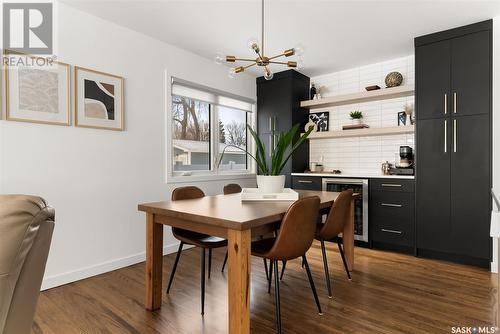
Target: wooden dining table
{"points": [[225, 216]]}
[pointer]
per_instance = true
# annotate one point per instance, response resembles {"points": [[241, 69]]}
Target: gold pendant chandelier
{"points": [[262, 60]]}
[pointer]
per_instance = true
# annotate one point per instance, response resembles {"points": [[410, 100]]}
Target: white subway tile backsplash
{"points": [[363, 155]]}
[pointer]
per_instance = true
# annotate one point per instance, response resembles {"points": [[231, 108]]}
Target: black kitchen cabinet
{"points": [[307, 182], [392, 214], [470, 186], [454, 144], [278, 108], [432, 71], [471, 74]]}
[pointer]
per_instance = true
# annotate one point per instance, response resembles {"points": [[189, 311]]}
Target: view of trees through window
{"points": [[191, 135], [233, 131]]}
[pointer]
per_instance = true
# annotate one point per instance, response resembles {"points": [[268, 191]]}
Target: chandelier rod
{"points": [[262, 29]]}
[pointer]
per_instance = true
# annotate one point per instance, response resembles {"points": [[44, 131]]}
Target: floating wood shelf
{"points": [[374, 95], [393, 130]]}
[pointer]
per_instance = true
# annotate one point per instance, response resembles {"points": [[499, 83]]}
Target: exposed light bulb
{"points": [[300, 63], [253, 44], [231, 73], [219, 58], [268, 75], [299, 50]]}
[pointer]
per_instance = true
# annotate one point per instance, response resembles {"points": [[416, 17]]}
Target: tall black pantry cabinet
{"points": [[454, 143], [278, 108]]}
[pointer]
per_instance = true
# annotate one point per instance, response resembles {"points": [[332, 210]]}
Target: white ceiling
{"points": [[336, 34]]}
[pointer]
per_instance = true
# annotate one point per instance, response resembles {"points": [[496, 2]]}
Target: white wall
{"points": [[363, 155], [96, 178], [496, 123]]}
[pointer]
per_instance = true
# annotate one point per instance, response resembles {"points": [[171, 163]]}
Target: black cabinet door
{"points": [[471, 74], [432, 70], [433, 184], [470, 186]]}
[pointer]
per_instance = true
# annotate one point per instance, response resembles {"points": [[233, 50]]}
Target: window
{"points": [[190, 134], [204, 123], [233, 134]]}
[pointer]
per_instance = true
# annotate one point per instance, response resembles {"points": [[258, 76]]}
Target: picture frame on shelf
{"points": [[321, 119], [98, 99], [402, 118], [37, 91]]}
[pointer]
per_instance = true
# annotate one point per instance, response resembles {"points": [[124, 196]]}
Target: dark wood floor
{"points": [[390, 293]]}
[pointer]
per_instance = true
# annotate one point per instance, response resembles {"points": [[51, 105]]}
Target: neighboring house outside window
{"points": [[201, 117]]}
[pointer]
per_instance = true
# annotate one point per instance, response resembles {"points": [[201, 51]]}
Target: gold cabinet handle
{"points": [[445, 136], [455, 107], [445, 103], [455, 136]]}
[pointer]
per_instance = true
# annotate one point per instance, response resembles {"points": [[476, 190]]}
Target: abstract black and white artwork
{"points": [[321, 119], [99, 99]]}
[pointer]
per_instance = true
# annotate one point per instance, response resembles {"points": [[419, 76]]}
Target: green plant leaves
{"points": [[279, 156]]}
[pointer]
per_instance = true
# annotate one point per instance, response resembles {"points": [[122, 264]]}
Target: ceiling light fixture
{"points": [[262, 60]]}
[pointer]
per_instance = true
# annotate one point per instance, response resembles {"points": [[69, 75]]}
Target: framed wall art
{"points": [[321, 119], [98, 100], [37, 91]]}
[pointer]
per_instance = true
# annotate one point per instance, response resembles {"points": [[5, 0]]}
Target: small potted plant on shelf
{"points": [[270, 179], [356, 116]]}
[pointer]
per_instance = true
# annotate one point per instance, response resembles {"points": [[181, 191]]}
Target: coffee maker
{"points": [[405, 165]]}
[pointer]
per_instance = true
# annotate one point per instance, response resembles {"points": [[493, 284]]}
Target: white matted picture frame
{"points": [[98, 100], [37, 91]]}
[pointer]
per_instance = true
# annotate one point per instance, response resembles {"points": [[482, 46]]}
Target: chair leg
{"points": [[327, 271], [225, 261], [265, 267], [179, 251], [270, 276], [311, 282], [202, 281], [209, 262], [277, 296], [282, 270], [344, 261]]}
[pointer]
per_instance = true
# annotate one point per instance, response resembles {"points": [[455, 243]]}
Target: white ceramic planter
{"points": [[271, 184], [357, 121]]}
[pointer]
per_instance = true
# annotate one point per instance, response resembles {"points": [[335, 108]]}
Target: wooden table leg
{"points": [[348, 239], [239, 243], [154, 262]]}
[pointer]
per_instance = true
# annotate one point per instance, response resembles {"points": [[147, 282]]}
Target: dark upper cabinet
{"points": [[471, 74], [278, 108], [432, 70], [453, 157]]}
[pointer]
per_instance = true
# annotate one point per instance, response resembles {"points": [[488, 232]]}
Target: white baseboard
{"points": [[101, 268]]}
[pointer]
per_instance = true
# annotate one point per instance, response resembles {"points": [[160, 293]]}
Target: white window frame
{"points": [[214, 173]]}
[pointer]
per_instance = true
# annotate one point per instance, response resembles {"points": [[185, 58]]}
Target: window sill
{"points": [[209, 177]]}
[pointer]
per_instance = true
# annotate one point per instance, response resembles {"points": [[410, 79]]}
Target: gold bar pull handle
{"points": [[445, 136], [445, 103], [455, 102], [455, 136]]}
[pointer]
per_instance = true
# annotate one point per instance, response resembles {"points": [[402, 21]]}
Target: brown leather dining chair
{"points": [[231, 188], [295, 237], [193, 238], [334, 225]]}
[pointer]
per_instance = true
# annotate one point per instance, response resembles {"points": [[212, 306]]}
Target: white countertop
{"points": [[364, 176]]}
